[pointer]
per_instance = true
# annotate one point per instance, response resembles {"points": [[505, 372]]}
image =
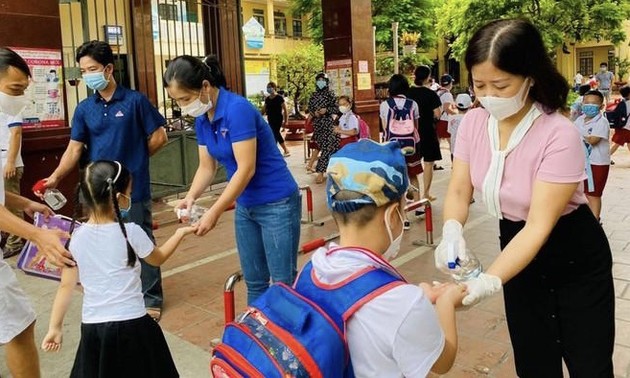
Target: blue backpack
{"points": [[401, 126], [299, 331]]}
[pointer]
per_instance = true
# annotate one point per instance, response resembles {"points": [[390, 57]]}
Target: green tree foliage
{"points": [[412, 16], [559, 21], [297, 68]]}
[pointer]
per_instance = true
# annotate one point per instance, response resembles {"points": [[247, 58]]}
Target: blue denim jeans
{"points": [[267, 238], [151, 276]]}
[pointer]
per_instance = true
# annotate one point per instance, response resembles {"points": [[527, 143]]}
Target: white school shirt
{"points": [[396, 334], [348, 121], [453, 124], [112, 290], [445, 98], [6, 122], [599, 127]]}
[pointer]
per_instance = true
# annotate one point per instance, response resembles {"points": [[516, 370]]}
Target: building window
{"points": [[192, 11], [586, 62], [167, 12], [297, 28], [259, 15], [280, 23]]}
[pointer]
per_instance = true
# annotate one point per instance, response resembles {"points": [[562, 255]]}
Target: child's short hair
{"points": [[624, 91], [596, 93], [363, 176], [344, 97], [583, 89]]}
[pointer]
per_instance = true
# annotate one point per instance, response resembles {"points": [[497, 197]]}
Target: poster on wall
{"points": [[45, 91], [340, 75], [254, 34]]}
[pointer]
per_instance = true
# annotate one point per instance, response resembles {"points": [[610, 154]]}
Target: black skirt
{"points": [[562, 305], [129, 348]]}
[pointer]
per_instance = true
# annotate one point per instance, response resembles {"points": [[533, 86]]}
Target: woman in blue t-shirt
{"points": [[230, 131]]}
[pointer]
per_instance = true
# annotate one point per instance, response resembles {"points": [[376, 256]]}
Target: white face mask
{"points": [[196, 108], [504, 107], [344, 109], [12, 105], [394, 245]]}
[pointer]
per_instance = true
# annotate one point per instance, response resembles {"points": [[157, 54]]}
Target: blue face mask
{"points": [[321, 84], [270, 90], [96, 80], [124, 213], [591, 110]]}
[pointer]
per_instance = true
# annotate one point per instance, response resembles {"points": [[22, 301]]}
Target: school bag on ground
{"points": [[364, 128], [401, 126], [300, 331]]}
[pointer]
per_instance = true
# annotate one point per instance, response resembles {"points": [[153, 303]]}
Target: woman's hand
{"points": [[183, 209], [9, 170], [208, 222]]}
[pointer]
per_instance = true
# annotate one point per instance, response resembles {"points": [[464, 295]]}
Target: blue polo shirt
{"points": [[119, 130], [236, 120]]}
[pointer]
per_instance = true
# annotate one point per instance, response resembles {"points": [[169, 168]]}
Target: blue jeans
{"points": [[151, 276], [267, 238]]}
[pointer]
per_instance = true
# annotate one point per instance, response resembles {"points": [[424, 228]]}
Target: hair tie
{"points": [[117, 173]]}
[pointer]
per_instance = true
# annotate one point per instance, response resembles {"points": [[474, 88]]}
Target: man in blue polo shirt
{"points": [[117, 123]]}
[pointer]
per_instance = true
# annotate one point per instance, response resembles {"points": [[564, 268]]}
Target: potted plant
{"points": [[409, 42], [622, 69]]}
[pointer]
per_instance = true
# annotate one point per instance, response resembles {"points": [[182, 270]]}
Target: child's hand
{"points": [[52, 341], [183, 231], [433, 291], [453, 294]]}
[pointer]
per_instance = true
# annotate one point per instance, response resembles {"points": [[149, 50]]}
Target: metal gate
{"points": [[145, 35]]}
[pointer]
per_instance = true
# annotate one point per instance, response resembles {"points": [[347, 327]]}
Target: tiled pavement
{"points": [[194, 276]]}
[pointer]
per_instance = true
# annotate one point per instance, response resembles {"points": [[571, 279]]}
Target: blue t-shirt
{"points": [[236, 120], [119, 130]]}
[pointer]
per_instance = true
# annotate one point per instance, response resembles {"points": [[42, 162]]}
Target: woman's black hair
{"points": [[398, 85], [9, 58], [102, 180], [421, 73], [190, 72], [516, 46], [97, 50]]}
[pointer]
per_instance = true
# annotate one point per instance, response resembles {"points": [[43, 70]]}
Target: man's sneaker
{"points": [[419, 213], [6, 253]]}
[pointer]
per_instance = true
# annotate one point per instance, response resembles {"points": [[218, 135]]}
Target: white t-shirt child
{"points": [[395, 334], [598, 127], [348, 121], [112, 290]]}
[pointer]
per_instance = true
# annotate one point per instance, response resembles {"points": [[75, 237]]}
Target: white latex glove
{"points": [[484, 285], [451, 247]]}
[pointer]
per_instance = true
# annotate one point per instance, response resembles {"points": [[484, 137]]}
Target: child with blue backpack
{"points": [[396, 331], [350, 313], [118, 337]]}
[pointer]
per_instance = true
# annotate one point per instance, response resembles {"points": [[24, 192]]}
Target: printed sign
{"points": [[254, 34], [46, 88]]}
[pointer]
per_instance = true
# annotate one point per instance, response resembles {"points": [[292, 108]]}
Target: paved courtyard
{"points": [[193, 280]]}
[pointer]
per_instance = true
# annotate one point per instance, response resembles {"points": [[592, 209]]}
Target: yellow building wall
{"points": [[259, 65]]}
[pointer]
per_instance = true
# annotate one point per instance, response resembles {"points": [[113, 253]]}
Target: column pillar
{"points": [[271, 26], [349, 53]]}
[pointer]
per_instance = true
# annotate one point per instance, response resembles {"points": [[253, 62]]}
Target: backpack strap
{"points": [[340, 301], [409, 107]]}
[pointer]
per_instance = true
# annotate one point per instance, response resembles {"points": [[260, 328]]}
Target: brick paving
{"points": [[194, 277]]}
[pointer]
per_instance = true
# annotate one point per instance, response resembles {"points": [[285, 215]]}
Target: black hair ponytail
{"points": [[131, 254], [190, 72]]}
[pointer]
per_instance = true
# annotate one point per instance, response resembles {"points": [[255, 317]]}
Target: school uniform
{"points": [[562, 304], [118, 338], [397, 333], [347, 122], [599, 154]]}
